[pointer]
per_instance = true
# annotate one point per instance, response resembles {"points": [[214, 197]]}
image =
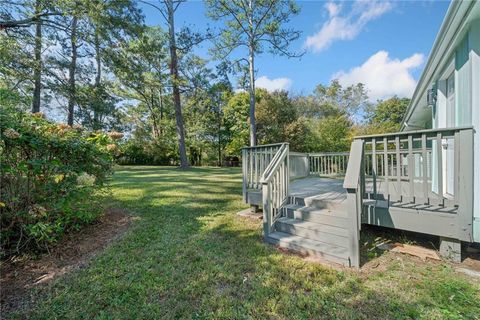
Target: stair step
{"points": [[293, 207], [320, 249], [316, 202], [322, 216], [314, 231], [296, 201]]}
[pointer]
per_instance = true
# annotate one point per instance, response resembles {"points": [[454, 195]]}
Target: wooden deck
{"points": [[395, 180], [316, 188]]}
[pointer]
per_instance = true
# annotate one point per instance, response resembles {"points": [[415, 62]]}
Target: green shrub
{"points": [[50, 176], [137, 152]]}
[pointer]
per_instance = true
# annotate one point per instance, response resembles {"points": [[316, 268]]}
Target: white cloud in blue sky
{"points": [[347, 25], [273, 84], [384, 77]]}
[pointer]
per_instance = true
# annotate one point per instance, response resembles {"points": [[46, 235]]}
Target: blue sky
{"points": [[383, 44]]}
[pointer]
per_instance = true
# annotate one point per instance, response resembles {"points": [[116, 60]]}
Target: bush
{"points": [[50, 174], [138, 152]]}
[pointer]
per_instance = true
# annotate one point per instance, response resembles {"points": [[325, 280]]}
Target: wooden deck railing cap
{"points": [[274, 164], [413, 132], [265, 145], [354, 168]]}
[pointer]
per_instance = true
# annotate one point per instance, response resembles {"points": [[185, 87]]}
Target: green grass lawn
{"points": [[188, 255]]}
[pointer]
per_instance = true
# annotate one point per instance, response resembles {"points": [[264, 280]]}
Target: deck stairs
{"points": [[314, 226]]}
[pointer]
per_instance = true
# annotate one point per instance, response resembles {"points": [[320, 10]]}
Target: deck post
{"points": [[353, 183], [465, 185], [266, 210], [244, 174], [451, 249]]}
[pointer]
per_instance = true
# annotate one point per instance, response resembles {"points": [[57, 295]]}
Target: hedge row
{"points": [[51, 176]]}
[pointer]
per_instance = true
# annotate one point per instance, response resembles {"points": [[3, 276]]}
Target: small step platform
{"points": [[314, 226], [314, 248]]}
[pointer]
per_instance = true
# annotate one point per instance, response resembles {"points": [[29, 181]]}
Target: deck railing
{"points": [[429, 168], [354, 185], [299, 165], [254, 162], [275, 182], [328, 164], [418, 166]]}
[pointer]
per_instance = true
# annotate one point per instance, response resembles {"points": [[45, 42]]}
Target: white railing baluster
{"points": [[399, 168], [385, 167], [439, 168], [425, 169], [374, 168], [411, 169], [328, 164], [275, 181]]}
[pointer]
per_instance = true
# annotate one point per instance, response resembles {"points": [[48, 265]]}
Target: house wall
{"points": [[467, 103], [474, 57]]}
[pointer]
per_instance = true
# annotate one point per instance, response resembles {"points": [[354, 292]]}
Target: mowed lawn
{"points": [[188, 255]]}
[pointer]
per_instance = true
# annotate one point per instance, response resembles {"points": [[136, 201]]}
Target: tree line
{"points": [[97, 62]]}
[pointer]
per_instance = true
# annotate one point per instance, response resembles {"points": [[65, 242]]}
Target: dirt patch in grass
{"points": [[73, 252]]}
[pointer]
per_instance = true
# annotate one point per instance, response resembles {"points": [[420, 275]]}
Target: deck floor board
{"points": [[316, 188]]}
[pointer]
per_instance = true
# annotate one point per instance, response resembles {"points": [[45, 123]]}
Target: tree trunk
{"points": [[37, 71], [219, 133], [253, 124], [153, 112], [175, 88], [161, 113], [98, 77], [251, 69], [71, 71]]}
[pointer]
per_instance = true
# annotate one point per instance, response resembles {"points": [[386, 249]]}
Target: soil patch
{"points": [[73, 252]]}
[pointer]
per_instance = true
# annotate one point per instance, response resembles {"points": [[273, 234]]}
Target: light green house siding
{"points": [[467, 103], [455, 58], [463, 84], [474, 58], [466, 59]]}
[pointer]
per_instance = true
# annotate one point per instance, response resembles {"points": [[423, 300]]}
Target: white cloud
{"points": [[347, 26], [384, 77], [273, 84]]}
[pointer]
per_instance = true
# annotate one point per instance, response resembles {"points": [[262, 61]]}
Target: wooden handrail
{"points": [[275, 183], [354, 168], [354, 184], [274, 164], [329, 153], [264, 146], [413, 132]]}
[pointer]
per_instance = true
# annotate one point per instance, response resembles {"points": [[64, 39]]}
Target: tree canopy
{"points": [[95, 63]]}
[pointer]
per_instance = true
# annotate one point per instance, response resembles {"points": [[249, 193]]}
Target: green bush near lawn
{"points": [[49, 176]]}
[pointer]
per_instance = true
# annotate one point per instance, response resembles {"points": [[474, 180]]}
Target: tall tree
{"points": [[71, 70], [334, 100], [26, 18], [37, 71], [171, 7], [111, 23], [255, 25], [167, 10], [140, 66], [385, 116]]}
